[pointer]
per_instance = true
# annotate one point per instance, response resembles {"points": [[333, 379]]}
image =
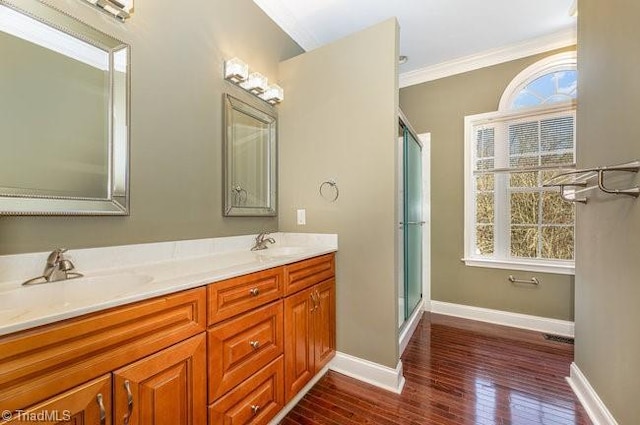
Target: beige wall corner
{"points": [[607, 266], [339, 121], [439, 107]]}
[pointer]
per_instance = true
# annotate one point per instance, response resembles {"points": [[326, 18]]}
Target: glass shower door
{"points": [[412, 222]]}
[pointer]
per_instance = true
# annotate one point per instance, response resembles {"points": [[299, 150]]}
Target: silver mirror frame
{"points": [[270, 209], [116, 202]]}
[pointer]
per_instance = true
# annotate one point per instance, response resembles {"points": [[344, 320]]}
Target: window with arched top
{"points": [[511, 220]]}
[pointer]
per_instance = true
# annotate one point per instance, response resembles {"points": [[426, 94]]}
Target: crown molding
{"points": [[283, 17], [490, 57]]}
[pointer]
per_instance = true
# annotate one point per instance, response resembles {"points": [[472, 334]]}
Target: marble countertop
{"points": [[24, 307]]}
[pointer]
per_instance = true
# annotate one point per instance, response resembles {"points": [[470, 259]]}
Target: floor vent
{"points": [[558, 338]]}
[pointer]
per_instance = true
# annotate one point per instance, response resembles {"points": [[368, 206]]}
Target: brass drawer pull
{"points": [[103, 412], [255, 344], [254, 292], [255, 409]]}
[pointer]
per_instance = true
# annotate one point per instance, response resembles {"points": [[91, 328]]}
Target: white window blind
{"points": [[514, 216]]}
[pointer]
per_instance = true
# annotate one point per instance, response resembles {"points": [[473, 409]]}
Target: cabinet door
{"points": [[298, 341], [166, 388], [324, 323], [89, 403]]}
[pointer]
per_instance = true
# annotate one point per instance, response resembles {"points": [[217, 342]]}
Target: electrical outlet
{"points": [[302, 217]]}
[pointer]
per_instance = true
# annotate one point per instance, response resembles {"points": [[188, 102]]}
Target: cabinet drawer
{"points": [[301, 275], [241, 346], [234, 296], [38, 363], [255, 401]]}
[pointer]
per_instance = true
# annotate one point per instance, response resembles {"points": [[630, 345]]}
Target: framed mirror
{"points": [[250, 152], [64, 115]]}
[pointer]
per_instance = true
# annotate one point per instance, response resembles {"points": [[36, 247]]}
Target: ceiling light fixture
{"points": [[237, 72]]}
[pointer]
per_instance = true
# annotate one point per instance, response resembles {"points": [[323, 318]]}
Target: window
{"points": [[511, 220]]}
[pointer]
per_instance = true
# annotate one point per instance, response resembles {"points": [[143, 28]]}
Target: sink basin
{"points": [[282, 251], [120, 279], [62, 294]]}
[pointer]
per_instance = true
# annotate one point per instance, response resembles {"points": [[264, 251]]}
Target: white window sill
{"points": [[540, 266]]}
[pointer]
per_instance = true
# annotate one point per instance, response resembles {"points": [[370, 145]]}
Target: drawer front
{"points": [[301, 275], [241, 346], [234, 296], [37, 363], [256, 401]]}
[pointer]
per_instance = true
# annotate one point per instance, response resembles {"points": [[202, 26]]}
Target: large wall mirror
{"points": [[64, 113], [250, 160]]}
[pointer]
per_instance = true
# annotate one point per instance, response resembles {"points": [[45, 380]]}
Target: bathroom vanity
{"points": [[232, 351]]}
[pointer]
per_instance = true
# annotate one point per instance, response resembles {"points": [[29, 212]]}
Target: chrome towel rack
{"points": [[581, 178], [532, 281]]}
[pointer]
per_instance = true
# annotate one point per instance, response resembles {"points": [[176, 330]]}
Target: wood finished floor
{"points": [[457, 372]]}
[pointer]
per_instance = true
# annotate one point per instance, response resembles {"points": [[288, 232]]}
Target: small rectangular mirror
{"points": [[64, 113], [250, 160]]}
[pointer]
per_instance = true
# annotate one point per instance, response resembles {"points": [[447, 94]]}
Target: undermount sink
{"points": [[281, 251]]}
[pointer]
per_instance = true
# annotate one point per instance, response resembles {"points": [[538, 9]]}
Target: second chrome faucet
{"points": [[261, 241]]}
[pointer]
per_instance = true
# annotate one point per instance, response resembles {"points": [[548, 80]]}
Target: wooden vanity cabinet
{"points": [[233, 352], [158, 346], [309, 322]]}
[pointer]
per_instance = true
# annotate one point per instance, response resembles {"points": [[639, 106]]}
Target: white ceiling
{"points": [[432, 32]]}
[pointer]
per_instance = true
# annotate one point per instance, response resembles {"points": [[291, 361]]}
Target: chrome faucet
{"points": [[261, 241], [57, 268]]}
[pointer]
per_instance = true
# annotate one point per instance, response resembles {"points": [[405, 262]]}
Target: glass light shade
{"points": [[256, 83], [274, 94], [236, 70]]}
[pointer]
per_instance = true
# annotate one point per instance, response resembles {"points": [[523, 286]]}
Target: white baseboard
{"points": [[410, 327], [286, 409], [427, 306], [372, 373], [596, 409], [506, 318]]}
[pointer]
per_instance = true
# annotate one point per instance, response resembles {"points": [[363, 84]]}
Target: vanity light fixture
{"points": [[120, 9], [273, 95], [237, 72], [256, 83]]}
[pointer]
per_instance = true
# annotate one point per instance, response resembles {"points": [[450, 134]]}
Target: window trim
{"points": [[470, 259]]}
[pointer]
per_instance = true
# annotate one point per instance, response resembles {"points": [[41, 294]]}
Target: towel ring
{"points": [[331, 184]]}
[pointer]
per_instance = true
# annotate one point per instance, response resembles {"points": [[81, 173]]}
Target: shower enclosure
{"points": [[410, 209]]}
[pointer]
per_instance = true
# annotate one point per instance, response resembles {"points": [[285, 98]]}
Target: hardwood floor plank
{"points": [[458, 372]]}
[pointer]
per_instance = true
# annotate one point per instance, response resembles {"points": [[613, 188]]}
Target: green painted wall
{"points": [[439, 107], [607, 266], [177, 60]]}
